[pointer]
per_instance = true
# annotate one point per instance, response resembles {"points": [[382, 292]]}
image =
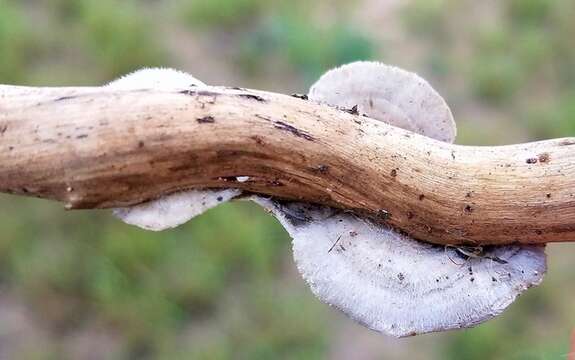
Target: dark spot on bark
{"points": [[252, 97], [543, 157], [223, 154], [275, 183], [199, 92], [383, 215], [400, 276], [292, 129], [472, 279], [354, 234], [300, 96], [548, 196], [206, 120], [468, 195], [141, 144], [63, 98], [263, 117], [258, 140], [393, 173], [453, 155], [421, 197], [219, 198], [82, 136], [493, 279], [25, 191], [227, 178], [3, 128], [353, 110], [468, 209], [10, 148], [538, 232], [321, 168], [531, 161]]}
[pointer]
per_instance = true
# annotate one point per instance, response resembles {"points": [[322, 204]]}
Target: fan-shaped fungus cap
{"points": [[390, 94]]}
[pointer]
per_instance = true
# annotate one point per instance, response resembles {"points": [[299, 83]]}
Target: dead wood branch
{"points": [[101, 148]]}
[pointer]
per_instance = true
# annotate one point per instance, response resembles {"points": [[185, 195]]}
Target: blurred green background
{"points": [[82, 285]]}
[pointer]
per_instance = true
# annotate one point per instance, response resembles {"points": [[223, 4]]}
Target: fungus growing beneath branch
{"points": [[382, 279], [396, 285], [174, 209]]}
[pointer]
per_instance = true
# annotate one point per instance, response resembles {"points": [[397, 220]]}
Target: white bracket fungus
{"points": [[396, 285], [382, 279], [174, 209]]}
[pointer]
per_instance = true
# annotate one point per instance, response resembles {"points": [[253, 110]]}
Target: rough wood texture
{"points": [[101, 148]]}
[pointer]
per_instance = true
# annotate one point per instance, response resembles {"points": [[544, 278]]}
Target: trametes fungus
{"points": [[383, 279]]}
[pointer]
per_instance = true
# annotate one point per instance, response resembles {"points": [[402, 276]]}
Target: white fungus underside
{"points": [[386, 281], [396, 285], [173, 210]]}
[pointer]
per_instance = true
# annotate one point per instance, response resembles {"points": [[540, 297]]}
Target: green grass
{"points": [[220, 14], [217, 287], [118, 37], [16, 43], [306, 47]]}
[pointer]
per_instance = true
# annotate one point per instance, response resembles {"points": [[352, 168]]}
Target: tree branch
{"points": [[101, 148]]}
